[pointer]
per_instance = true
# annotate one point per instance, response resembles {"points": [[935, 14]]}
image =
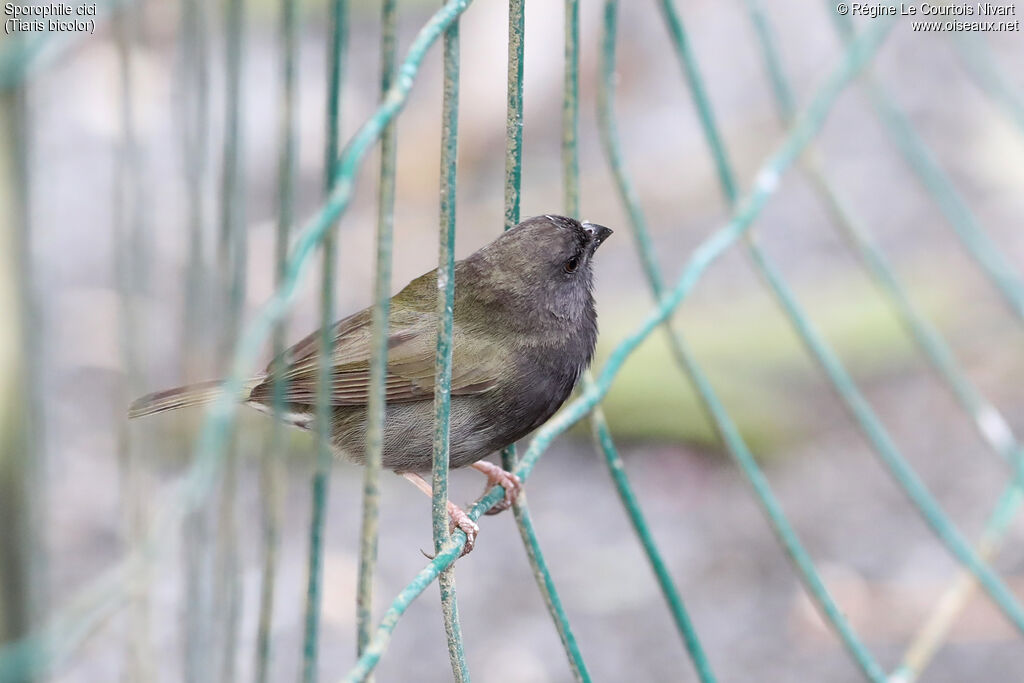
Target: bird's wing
{"points": [[412, 342]]}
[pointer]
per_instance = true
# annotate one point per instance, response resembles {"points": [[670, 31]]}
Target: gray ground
{"points": [[882, 563]]}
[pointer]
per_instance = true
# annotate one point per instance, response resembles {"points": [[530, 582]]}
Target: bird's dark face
{"points": [[545, 263], [562, 248]]}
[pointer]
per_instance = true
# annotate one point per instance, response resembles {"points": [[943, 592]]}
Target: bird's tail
{"points": [[184, 397]]}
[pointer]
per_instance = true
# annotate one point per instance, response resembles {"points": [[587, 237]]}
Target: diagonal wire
{"points": [[376, 408], [443, 359], [711, 249], [991, 425], [990, 76], [955, 598], [1004, 275], [684, 356], [272, 472], [321, 476], [599, 425], [546, 584], [855, 402]]}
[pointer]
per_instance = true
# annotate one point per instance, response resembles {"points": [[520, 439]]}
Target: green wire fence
{"points": [[214, 465]]}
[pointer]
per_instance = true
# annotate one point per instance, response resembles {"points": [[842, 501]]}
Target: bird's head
{"points": [[546, 263]]}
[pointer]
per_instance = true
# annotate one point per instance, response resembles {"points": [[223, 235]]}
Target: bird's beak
{"points": [[598, 233]]}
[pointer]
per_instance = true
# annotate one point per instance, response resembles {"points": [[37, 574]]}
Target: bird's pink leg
{"points": [[459, 518], [495, 475]]}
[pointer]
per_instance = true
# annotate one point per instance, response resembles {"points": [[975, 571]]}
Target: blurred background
{"points": [[882, 563]]}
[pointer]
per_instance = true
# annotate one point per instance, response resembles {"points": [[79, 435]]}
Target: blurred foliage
{"points": [[756, 362]]}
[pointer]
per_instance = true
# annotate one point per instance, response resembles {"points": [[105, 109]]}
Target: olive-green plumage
{"points": [[524, 329]]}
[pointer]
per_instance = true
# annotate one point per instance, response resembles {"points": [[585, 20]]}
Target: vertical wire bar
{"points": [[727, 430], [232, 258], [232, 243], [321, 478], [991, 425], [131, 260], [514, 113], [989, 75], [599, 425], [22, 456], [681, 44], [571, 111], [1004, 275], [272, 470], [514, 141], [785, 101], [861, 410], [571, 203], [195, 131], [443, 359], [513, 184], [20, 57], [376, 404]]}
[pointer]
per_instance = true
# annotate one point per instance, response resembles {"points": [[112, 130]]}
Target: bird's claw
{"points": [[460, 520], [512, 484]]}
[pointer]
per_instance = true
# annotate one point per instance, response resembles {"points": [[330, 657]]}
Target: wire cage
{"points": [[35, 647]]}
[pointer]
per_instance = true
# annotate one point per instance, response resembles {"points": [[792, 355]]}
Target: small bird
{"points": [[524, 330]]}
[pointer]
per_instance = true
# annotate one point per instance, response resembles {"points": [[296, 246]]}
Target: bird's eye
{"points": [[572, 264]]}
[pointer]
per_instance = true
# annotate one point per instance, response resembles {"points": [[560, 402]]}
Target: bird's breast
{"points": [[539, 389]]}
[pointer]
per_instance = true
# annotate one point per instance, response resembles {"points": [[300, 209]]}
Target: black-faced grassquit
{"points": [[524, 331]]}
